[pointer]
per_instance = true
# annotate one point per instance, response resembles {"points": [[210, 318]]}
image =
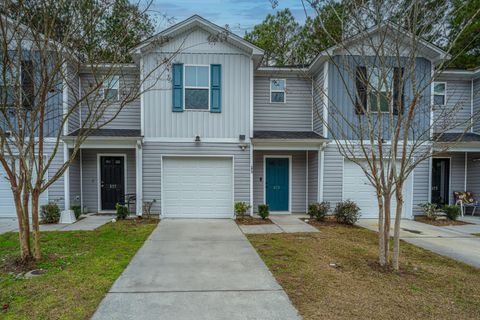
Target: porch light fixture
{"points": [[242, 146], [197, 139]]}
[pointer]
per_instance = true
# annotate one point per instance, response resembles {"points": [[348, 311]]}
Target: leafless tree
{"points": [[383, 119], [40, 97]]}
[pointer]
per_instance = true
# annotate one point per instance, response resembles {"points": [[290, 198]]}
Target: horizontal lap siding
{"points": [[421, 186], [299, 182], [456, 113], [73, 99], [318, 100], [74, 171], [473, 174], [333, 175], [56, 191], [129, 115], [90, 174], [293, 115], [153, 152], [312, 176]]}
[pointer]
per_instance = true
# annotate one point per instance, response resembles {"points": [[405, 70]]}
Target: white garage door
{"points": [[197, 187], [7, 205], [356, 187]]}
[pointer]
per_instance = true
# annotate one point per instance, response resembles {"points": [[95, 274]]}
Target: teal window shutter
{"points": [[216, 88], [177, 87]]}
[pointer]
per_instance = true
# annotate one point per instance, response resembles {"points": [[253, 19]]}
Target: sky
{"points": [[239, 15]]}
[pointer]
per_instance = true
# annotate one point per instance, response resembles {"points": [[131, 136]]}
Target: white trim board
{"points": [[99, 174], [265, 157]]}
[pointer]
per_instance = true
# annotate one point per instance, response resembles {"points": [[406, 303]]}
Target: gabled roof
{"points": [[461, 74], [198, 21], [434, 53]]}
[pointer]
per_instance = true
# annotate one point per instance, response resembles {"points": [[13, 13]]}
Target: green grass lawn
{"points": [[429, 286], [82, 266]]}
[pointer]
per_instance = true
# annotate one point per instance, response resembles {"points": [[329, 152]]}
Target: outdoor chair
{"points": [[465, 199]]}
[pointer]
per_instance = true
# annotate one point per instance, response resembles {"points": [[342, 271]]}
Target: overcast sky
{"points": [[240, 15]]}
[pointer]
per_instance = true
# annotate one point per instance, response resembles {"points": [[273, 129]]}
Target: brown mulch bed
{"points": [[329, 221], [251, 221], [441, 222]]}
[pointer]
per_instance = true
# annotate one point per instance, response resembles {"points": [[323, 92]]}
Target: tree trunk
{"points": [[381, 242], [23, 228], [386, 228], [396, 232], [35, 225]]}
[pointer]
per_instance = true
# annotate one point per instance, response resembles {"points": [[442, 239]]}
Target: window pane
{"points": [[439, 100], [202, 76], [439, 88], [277, 84], [111, 94], [111, 82], [278, 96], [190, 76], [196, 99], [383, 105], [196, 76]]}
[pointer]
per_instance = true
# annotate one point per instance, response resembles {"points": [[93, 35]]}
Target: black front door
{"points": [[440, 180], [112, 171]]}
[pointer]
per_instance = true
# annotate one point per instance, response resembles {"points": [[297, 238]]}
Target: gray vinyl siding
{"points": [[342, 91], [299, 183], [90, 174], [234, 119], [456, 114], [476, 105], [56, 192], [74, 171], [473, 174], [152, 169], [129, 116], [421, 185], [333, 175], [318, 100], [313, 158], [293, 115]]}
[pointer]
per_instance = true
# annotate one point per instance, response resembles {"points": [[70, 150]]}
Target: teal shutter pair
{"points": [[215, 88]]}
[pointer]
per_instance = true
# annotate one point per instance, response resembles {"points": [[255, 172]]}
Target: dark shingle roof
{"points": [[458, 137], [111, 133], [287, 135]]}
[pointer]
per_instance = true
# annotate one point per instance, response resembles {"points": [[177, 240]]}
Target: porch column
{"points": [[321, 158], [67, 215], [139, 177]]}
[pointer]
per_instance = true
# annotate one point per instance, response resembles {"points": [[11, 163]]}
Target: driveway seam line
{"points": [[200, 291]]}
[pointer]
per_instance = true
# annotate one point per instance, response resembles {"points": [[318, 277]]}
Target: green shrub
{"points": [[50, 213], [452, 212], [77, 210], [318, 210], [429, 210], [241, 208], [122, 211], [263, 211], [347, 212]]}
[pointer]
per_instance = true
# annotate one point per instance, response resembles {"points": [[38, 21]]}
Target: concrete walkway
{"points": [[88, 223], [281, 224], [196, 269], [456, 242]]}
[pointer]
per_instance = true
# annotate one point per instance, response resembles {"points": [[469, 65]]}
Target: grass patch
{"points": [[476, 234], [429, 286], [82, 266]]}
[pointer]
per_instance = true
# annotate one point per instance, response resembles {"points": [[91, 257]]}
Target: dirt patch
{"points": [[251, 221], [328, 221], [441, 222], [15, 264], [140, 220]]}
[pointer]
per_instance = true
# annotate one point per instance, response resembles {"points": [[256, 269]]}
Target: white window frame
{"points": [[284, 90], [444, 93], [185, 87], [369, 107], [117, 86], [13, 78]]}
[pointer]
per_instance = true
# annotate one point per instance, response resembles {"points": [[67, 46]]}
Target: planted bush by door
{"points": [[50, 213], [347, 212], [318, 210], [263, 211]]}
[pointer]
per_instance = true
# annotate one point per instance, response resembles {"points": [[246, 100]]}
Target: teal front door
{"points": [[276, 183]]}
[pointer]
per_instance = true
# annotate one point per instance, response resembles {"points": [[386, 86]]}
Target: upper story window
{"points": [[381, 85], [439, 93], [197, 87], [277, 90], [111, 89]]}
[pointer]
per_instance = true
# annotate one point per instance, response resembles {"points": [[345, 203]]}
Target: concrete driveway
{"points": [[456, 242], [196, 269], [8, 224]]}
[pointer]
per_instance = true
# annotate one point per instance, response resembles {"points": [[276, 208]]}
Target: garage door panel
{"points": [[197, 187], [357, 187]]}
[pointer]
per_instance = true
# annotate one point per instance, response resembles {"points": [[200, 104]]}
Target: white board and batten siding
{"points": [[194, 49]]}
